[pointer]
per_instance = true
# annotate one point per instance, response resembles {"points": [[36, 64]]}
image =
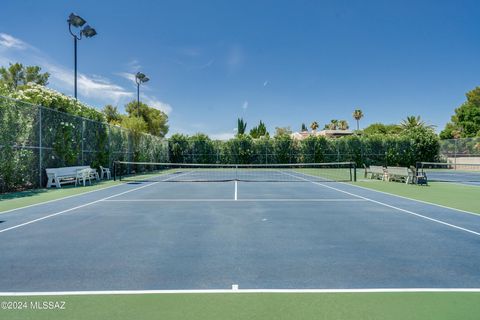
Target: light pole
{"points": [[139, 79], [87, 31]]}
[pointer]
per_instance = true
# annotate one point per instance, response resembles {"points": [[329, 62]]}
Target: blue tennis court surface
{"points": [[259, 235], [463, 177]]}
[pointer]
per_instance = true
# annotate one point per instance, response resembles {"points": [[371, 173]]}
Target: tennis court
{"points": [[298, 230], [468, 174]]}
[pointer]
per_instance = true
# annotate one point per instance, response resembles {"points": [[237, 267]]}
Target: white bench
{"points": [[64, 175], [377, 172], [401, 174]]}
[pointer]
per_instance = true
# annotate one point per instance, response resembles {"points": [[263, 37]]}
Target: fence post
{"points": [[83, 133], [266, 154], [455, 155], [40, 146]]}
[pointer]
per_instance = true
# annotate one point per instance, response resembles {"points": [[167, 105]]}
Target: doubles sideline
{"points": [[83, 205], [388, 205]]}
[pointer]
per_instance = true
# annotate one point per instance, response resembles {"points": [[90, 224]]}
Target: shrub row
{"points": [[394, 150]]}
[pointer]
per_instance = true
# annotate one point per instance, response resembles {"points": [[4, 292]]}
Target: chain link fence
{"points": [[33, 138], [460, 151]]}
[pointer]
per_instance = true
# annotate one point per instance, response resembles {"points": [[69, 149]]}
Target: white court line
{"points": [[230, 291], [240, 200], [390, 206], [67, 197], [398, 196], [81, 206], [236, 188], [407, 198]]}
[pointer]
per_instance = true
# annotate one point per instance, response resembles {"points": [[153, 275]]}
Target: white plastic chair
{"points": [[105, 172], [83, 175]]}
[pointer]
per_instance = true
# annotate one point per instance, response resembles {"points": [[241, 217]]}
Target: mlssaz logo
{"points": [[47, 305]]}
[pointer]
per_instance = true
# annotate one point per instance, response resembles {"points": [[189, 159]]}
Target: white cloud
{"points": [[194, 66], [98, 88], [221, 136], [157, 104], [190, 51], [94, 87], [235, 57], [134, 65], [9, 41], [245, 105], [127, 75]]}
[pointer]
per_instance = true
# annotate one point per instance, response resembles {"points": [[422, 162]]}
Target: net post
{"points": [[354, 168], [114, 170]]}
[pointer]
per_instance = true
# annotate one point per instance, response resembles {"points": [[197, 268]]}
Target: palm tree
{"points": [[333, 125], [314, 126], [241, 126], [343, 125], [357, 115], [412, 122]]}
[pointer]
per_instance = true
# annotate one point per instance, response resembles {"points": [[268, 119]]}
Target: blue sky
{"points": [[283, 62]]}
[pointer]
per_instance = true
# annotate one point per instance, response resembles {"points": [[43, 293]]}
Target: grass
{"points": [[21, 199], [452, 195], [278, 306]]}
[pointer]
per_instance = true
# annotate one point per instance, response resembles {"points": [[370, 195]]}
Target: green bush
{"points": [[403, 149]]}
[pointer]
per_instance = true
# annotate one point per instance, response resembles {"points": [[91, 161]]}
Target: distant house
{"points": [[325, 133]]}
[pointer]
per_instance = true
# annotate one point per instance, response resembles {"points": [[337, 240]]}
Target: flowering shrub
{"points": [[40, 95]]}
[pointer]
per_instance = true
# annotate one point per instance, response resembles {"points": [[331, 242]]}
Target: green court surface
{"points": [[453, 195], [22, 199], [211, 306]]}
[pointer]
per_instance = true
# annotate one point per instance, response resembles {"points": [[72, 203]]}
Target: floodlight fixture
{"points": [[139, 79], [88, 31], [75, 20]]}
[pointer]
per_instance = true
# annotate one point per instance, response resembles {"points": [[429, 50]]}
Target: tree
{"points": [[380, 128], [111, 114], [412, 122], [135, 124], [155, 119], [259, 131], [16, 74], [202, 149], [314, 126], [357, 115], [333, 125], [281, 131], [177, 148], [241, 126], [304, 127], [465, 123], [342, 125]]}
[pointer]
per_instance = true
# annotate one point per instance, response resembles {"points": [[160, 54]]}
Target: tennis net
{"points": [[450, 172], [177, 172]]}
